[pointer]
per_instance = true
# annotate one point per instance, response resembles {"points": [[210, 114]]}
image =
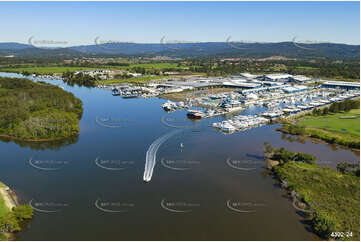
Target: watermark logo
{"points": [[296, 204], [244, 207], [179, 165], [47, 44], [110, 44], [180, 123], [109, 122], [113, 165], [47, 207], [113, 206], [244, 164], [47, 165], [300, 44], [180, 44], [240, 45], [302, 206], [305, 45], [179, 206], [299, 164]]}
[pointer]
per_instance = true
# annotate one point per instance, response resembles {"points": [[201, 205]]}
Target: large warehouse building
{"points": [[342, 85]]}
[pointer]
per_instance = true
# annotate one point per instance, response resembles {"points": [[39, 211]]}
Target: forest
{"points": [[37, 111]]}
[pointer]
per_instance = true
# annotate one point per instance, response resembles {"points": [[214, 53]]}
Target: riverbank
{"points": [[323, 136], [328, 199], [341, 128], [8, 197], [37, 140], [12, 214]]}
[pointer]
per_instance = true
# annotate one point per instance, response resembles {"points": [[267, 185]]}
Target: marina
{"points": [[239, 123], [141, 188], [180, 121]]}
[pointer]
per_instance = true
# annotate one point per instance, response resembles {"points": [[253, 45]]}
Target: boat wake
{"points": [[151, 156]]}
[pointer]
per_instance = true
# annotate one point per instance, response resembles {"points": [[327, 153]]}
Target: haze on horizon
{"points": [[80, 23]]}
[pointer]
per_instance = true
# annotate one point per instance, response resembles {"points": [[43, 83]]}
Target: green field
{"points": [[157, 66], [138, 80], [340, 122], [61, 69], [51, 70]]}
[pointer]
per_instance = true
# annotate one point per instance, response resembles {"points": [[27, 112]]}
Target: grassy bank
{"points": [[341, 128], [3, 208], [345, 122], [331, 197], [331, 137], [12, 221]]}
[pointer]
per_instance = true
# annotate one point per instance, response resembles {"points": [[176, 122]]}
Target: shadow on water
{"points": [[303, 140], [43, 145]]}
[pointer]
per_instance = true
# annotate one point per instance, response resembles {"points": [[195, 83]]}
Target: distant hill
{"points": [[13, 46], [204, 49]]}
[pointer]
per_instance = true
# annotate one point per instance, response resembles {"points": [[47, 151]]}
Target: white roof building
{"points": [[276, 77], [293, 89], [242, 83], [301, 78], [249, 76]]}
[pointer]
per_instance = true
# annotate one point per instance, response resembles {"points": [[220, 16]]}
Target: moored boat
{"points": [[195, 114]]}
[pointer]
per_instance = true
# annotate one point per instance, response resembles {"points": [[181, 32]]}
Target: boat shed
{"points": [[342, 85], [241, 84], [276, 77]]}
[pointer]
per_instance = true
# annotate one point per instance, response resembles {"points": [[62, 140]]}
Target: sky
{"points": [[82, 23]]}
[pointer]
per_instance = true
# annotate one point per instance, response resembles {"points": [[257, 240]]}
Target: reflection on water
{"points": [[99, 177], [333, 147], [43, 145]]}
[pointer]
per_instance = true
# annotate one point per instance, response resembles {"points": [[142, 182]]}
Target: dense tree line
{"points": [[344, 106], [315, 68], [79, 79], [283, 156], [214, 66], [33, 111], [349, 168]]}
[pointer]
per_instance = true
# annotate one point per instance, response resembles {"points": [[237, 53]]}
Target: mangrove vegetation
{"points": [[37, 111], [329, 198]]}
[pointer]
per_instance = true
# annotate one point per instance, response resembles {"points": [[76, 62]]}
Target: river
{"points": [[211, 188]]}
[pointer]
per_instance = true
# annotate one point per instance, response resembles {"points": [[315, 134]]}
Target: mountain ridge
{"points": [[202, 49]]}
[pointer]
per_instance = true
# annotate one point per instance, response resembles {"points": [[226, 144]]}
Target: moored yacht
{"points": [[195, 114]]}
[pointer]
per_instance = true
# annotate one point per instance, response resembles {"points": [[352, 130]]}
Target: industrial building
{"points": [[241, 83], [263, 89], [299, 79], [276, 77], [342, 85], [294, 89], [249, 76]]}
